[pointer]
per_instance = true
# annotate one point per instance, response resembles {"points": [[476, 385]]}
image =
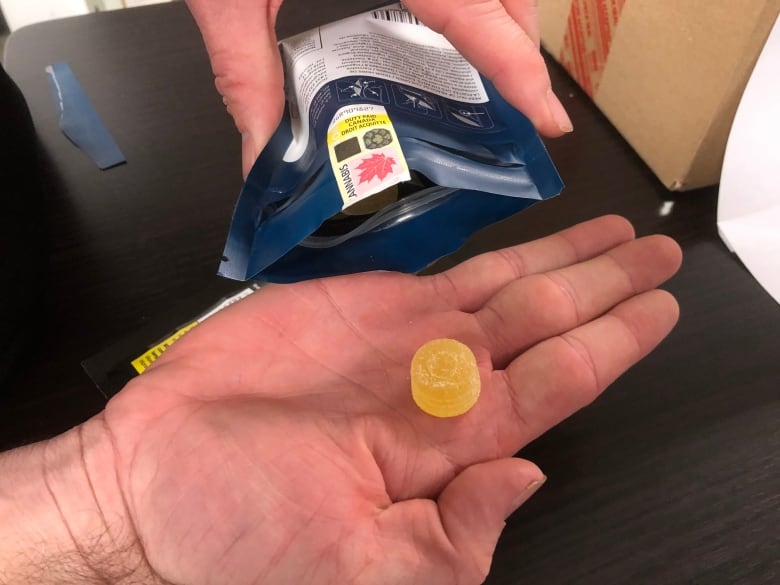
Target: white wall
{"points": [[131, 3], [19, 13]]}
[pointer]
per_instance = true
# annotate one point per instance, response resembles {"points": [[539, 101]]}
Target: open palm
{"points": [[278, 442]]}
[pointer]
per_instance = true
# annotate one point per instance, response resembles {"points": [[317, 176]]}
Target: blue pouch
{"points": [[392, 152]]}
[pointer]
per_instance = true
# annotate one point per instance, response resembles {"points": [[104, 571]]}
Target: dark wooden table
{"points": [[671, 477]]}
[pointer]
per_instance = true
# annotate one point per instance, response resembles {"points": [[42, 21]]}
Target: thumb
{"points": [[475, 505], [500, 38], [240, 39]]}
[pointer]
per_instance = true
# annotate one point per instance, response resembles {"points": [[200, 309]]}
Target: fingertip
{"points": [[546, 112], [617, 224], [476, 503], [662, 313], [663, 254], [532, 95], [525, 495], [529, 479], [558, 113], [672, 250], [599, 235], [650, 317], [671, 306]]}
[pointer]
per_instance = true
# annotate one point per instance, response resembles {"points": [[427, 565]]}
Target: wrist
{"points": [[63, 518]]}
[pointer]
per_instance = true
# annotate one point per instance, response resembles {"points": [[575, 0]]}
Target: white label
{"points": [[389, 44], [364, 152], [242, 294]]}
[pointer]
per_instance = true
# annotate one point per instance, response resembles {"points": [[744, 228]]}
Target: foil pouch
{"points": [[392, 151]]}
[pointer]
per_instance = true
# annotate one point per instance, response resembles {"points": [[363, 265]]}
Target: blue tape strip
{"points": [[79, 120]]}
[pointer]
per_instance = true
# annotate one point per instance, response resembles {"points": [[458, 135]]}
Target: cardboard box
{"points": [[668, 74]]}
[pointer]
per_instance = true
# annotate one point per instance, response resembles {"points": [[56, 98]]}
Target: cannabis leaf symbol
{"points": [[376, 165]]}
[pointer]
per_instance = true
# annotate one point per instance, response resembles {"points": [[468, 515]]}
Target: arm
{"points": [[62, 514], [259, 450]]}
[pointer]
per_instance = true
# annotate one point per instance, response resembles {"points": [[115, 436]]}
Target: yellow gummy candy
{"points": [[445, 378]]}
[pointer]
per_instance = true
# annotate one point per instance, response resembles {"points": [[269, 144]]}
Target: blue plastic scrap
{"points": [[78, 119]]}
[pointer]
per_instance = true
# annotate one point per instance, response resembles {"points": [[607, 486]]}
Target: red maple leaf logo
{"points": [[376, 165]]}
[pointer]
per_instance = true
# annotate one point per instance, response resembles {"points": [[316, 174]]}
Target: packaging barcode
{"points": [[401, 16]]}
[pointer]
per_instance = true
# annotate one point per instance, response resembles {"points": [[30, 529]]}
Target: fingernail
{"points": [[534, 486], [526, 494], [558, 112]]}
